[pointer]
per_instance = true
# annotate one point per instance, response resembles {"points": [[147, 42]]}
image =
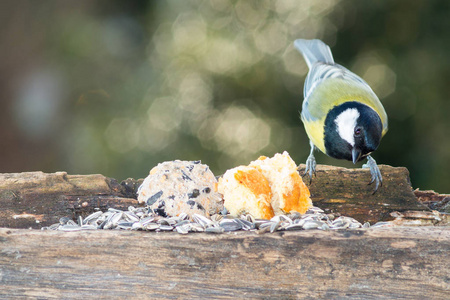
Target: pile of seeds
{"points": [[142, 218]]}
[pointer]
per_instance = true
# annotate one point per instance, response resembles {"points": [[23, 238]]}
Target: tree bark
{"points": [[346, 191], [36, 199]]}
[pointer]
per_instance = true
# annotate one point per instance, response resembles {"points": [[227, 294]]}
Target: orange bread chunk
{"points": [[289, 192], [267, 187], [246, 191]]}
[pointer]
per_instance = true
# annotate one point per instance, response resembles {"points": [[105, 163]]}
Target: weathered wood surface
{"points": [[377, 263], [36, 199], [346, 191], [435, 201]]}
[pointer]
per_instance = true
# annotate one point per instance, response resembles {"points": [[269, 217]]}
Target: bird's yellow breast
{"points": [[330, 93], [315, 132]]}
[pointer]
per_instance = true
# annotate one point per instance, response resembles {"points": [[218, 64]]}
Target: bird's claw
{"points": [[375, 172], [310, 167]]}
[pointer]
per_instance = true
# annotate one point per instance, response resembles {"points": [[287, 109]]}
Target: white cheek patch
{"points": [[346, 123]]}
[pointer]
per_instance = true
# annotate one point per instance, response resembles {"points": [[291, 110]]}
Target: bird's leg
{"points": [[375, 172], [310, 163]]}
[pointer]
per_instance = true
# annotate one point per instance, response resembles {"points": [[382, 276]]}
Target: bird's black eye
{"points": [[357, 131]]}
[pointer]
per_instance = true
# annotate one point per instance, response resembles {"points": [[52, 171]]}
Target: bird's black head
{"points": [[352, 131]]}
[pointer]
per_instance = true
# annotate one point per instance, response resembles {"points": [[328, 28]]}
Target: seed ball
{"points": [[176, 187]]}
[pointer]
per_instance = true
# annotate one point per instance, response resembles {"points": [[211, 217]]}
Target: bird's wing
{"points": [[320, 73]]}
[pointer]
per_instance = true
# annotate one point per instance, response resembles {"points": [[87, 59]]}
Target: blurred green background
{"points": [[115, 87]]}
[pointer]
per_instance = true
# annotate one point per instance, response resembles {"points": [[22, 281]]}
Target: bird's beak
{"points": [[356, 154]]}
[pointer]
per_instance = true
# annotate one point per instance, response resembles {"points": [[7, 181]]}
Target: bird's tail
{"points": [[314, 51]]}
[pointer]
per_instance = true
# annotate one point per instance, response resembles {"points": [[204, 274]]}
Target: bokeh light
{"points": [[115, 87]]}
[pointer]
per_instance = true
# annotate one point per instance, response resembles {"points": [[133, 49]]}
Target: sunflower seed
{"points": [[314, 210], [172, 221], [165, 228], [64, 220], [250, 218], [147, 220], [183, 229], [130, 216], [325, 226], [274, 226], [137, 226], [259, 222], [265, 224], [311, 224], [88, 227], [294, 215], [182, 222], [195, 227], [246, 225], [69, 228], [230, 225], [263, 230], [294, 227], [214, 230], [144, 218], [151, 226], [54, 226], [162, 221], [202, 220], [113, 220], [92, 217], [125, 225]]}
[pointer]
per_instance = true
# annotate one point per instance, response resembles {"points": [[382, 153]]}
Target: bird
{"points": [[342, 116]]}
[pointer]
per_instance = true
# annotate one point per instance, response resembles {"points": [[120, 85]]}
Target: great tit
{"points": [[342, 115]]}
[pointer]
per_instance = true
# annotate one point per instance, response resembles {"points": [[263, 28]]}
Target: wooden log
{"points": [[346, 191], [36, 199], [435, 201], [377, 263], [420, 218]]}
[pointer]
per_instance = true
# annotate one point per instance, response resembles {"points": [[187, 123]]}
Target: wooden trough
{"points": [[385, 262]]}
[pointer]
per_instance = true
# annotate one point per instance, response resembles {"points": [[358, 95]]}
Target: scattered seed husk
{"points": [[144, 219], [214, 230], [230, 225]]}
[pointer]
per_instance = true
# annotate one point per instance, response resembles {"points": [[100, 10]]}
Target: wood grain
{"points": [[36, 199], [402, 262], [346, 191]]}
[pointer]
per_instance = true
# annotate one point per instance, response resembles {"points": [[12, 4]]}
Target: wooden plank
{"points": [[346, 191], [435, 201], [36, 199], [398, 262]]}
